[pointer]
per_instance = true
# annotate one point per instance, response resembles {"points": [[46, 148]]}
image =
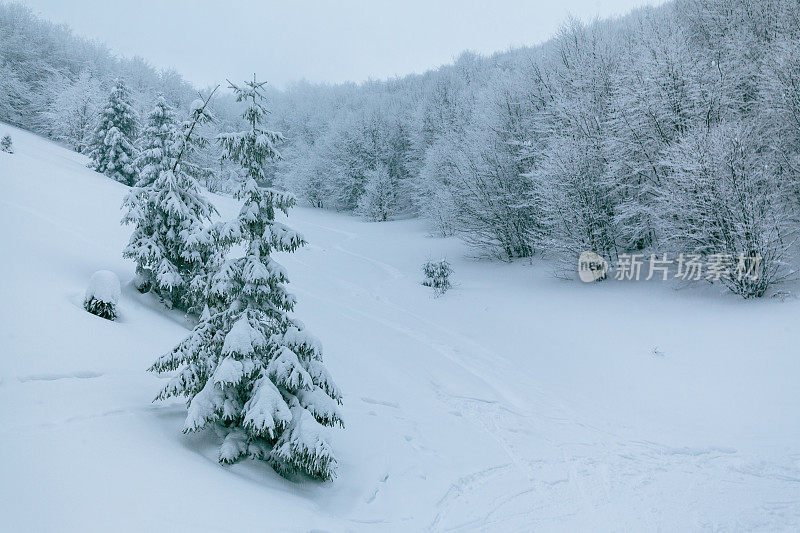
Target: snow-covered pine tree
{"points": [[254, 148], [171, 245], [112, 149], [251, 371], [196, 156], [155, 156], [157, 144]]}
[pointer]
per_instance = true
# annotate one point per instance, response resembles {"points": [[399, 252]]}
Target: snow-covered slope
{"points": [[515, 402]]}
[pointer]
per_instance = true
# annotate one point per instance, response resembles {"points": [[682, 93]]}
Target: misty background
{"points": [[319, 41], [673, 128]]}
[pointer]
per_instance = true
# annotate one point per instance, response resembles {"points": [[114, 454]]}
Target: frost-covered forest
{"points": [[169, 249], [672, 128]]}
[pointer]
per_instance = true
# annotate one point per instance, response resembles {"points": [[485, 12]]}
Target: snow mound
{"points": [[103, 286]]}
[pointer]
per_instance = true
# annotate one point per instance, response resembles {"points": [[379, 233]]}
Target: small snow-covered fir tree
{"points": [[250, 370], [112, 149], [102, 295], [173, 250], [6, 144]]}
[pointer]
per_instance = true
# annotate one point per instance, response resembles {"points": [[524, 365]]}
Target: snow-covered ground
{"points": [[515, 402]]}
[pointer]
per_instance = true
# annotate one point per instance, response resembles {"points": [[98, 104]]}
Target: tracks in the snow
{"points": [[587, 474], [554, 467], [79, 374]]}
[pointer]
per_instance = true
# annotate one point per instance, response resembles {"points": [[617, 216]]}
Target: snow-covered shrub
{"points": [[102, 295], [437, 275], [5, 144]]}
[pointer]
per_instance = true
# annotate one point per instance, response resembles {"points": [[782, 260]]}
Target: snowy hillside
{"points": [[514, 402]]}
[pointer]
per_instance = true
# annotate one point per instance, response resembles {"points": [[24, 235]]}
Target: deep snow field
{"points": [[515, 402]]}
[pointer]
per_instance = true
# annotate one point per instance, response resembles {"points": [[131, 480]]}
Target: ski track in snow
{"points": [[85, 374], [525, 452]]}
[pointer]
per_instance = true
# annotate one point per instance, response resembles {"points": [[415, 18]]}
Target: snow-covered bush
{"points": [[5, 144], [437, 275], [102, 295]]}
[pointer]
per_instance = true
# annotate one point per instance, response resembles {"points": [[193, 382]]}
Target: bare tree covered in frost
{"points": [[380, 197], [71, 115], [723, 200], [553, 149], [573, 186]]}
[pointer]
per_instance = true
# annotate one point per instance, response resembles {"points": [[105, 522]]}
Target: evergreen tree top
{"points": [[254, 147], [161, 114], [158, 143], [118, 111], [252, 93]]}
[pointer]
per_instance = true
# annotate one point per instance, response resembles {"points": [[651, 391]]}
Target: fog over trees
{"points": [[673, 129]]}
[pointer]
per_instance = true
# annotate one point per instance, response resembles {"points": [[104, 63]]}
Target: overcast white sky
{"points": [[333, 41]]}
